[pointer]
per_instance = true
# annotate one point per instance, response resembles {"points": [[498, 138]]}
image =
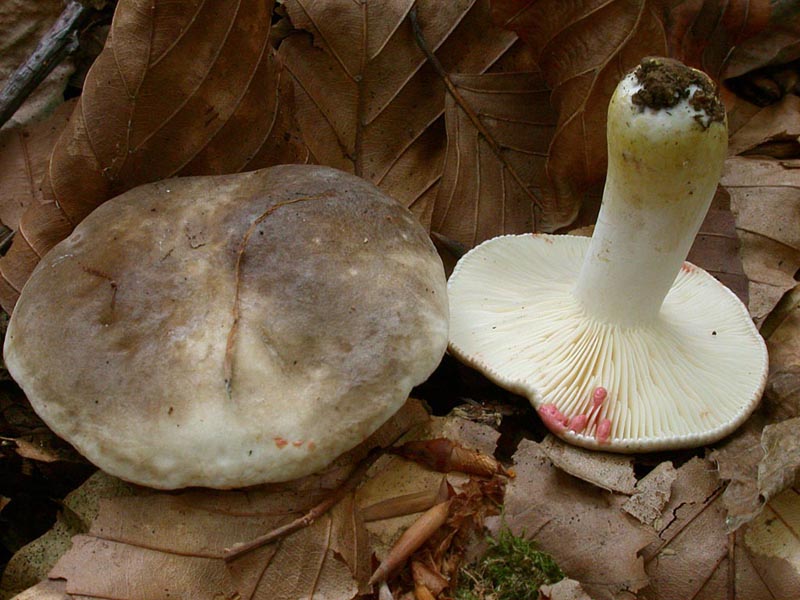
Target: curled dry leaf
{"points": [[777, 122], [368, 100], [179, 89], [576, 523], [499, 127], [695, 557], [766, 203], [583, 50]]}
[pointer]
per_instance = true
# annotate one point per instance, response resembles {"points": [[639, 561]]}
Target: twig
{"points": [[471, 114], [59, 41], [352, 482]]}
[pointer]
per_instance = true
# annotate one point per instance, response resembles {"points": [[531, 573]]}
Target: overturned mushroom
{"points": [[230, 331], [617, 341]]}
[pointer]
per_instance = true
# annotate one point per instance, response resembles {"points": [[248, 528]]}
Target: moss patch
{"points": [[511, 569]]}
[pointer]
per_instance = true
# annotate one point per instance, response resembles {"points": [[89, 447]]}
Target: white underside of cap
{"points": [[687, 379]]}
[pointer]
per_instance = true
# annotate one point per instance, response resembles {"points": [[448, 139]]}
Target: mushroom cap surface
{"points": [[119, 338], [688, 378]]}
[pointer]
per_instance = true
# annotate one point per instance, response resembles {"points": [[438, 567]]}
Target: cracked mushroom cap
{"points": [[230, 331]]}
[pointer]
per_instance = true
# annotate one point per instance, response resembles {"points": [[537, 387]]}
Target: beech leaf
{"points": [[583, 50], [766, 204], [499, 127], [697, 558], [180, 88], [369, 101]]}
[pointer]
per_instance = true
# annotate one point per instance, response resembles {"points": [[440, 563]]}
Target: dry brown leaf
{"points": [[180, 88], [697, 558], [612, 472], [772, 37], [702, 33], [24, 158], [765, 199], [583, 50], [776, 532], [652, 493], [368, 101], [779, 121], [717, 247], [499, 127], [22, 25], [580, 525]]}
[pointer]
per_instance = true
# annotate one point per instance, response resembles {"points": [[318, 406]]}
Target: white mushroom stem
{"points": [[663, 169]]}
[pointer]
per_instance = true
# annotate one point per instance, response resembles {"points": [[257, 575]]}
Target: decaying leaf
{"points": [[566, 589], [179, 89], [776, 532], [612, 472], [24, 157], [368, 100], [652, 494], [775, 123], [766, 202], [582, 526], [499, 127], [697, 558], [583, 50]]}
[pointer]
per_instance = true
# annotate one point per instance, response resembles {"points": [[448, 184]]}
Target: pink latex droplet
{"points": [[599, 396], [578, 423], [553, 419], [603, 431]]}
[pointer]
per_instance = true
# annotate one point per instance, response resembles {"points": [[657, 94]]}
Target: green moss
{"points": [[511, 569]]}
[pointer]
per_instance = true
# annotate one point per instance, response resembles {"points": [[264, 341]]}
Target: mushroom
{"points": [[616, 341], [230, 331]]}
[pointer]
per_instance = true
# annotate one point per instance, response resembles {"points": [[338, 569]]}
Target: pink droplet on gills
{"points": [[553, 419], [603, 431], [599, 396], [578, 423]]}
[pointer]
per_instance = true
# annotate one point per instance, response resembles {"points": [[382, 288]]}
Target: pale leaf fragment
{"points": [[566, 589], [652, 494], [612, 472]]}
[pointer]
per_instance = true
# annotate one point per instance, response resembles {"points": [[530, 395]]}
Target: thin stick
{"points": [[352, 482], [59, 41]]}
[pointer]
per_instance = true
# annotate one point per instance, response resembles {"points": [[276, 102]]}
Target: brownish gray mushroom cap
{"points": [[229, 331]]}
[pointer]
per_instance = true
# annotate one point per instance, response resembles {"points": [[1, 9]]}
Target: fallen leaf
{"points": [[583, 50], [566, 589], [780, 121], [369, 101], [24, 158], [776, 532], [179, 89], [772, 38], [499, 127], [766, 204], [22, 25], [612, 472], [697, 558], [580, 525], [702, 33], [651, 495]]}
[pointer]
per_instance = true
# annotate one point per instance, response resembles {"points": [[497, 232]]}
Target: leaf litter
{"points": [[688, 507]]}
